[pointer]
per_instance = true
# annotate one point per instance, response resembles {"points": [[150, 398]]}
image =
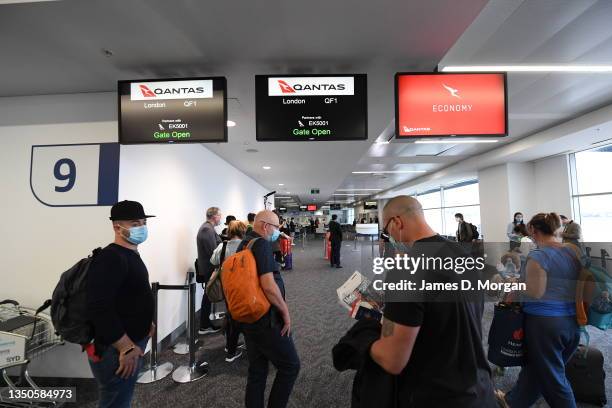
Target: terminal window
{"points": [[592, 192]]}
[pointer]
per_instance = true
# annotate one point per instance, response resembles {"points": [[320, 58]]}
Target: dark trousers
{"points": [[232, 333], [115, 392], [266, 345], [550, 343], [205, 312], [335, 252]]}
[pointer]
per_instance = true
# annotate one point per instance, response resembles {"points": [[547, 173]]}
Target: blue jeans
{"points": [[550, 343], [115, 392], [265, 345]]}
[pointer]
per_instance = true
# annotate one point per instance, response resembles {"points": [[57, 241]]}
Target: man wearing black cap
{"points": [[120, 306]]}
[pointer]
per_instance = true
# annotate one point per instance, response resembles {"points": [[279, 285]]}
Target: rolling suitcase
{"points": [[586, 375]]}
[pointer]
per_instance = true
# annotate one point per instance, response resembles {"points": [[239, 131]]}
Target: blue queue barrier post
{"points": [[154, 371]]}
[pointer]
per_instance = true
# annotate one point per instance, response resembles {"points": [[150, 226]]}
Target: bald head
{"points": [[405, 221], [402, 205], [262, 221]]}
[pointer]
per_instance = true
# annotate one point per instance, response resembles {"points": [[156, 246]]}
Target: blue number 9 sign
{"points": [[75, 175]]}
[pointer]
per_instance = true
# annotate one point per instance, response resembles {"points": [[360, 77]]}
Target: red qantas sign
{"points": [[147, 92], [451, 104]]}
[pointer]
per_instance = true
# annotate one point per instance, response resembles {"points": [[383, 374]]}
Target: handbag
{"points": [[506, 336], [214, 288]]}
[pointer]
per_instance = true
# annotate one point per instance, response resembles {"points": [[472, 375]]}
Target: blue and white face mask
{"points": [[138, 235], [274, 236]]}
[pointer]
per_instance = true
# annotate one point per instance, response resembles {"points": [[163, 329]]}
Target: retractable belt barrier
{"points": [[195, 369], [186, 373], [154, 372]]}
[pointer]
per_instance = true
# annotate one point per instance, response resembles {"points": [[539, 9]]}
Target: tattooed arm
{"points": [[392, 351]]}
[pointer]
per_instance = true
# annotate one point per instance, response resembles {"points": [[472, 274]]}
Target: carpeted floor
{"points": [[318, 322]]}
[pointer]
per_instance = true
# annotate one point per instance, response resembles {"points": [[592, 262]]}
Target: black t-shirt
{"points": [[119, 296], [264, 258], [447, 367]]}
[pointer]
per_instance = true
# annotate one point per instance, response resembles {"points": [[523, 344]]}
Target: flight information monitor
{"points": [[311, 107], [450, 104], [190, 110]]}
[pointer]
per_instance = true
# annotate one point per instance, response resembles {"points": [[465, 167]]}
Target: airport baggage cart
{"points": [[25, 334]]}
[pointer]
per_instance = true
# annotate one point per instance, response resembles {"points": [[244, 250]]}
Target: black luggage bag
{"points": [[585, 372]]}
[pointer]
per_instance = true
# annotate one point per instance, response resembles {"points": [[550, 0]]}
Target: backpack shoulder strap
{"points": [[251, 242], [223, 250]]}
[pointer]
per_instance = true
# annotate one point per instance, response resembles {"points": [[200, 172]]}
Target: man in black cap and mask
{"points": [[120, 306]]}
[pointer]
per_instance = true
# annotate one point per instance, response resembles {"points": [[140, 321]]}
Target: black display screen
{"points": [[370, 205], [306, 108], [190, 110]]}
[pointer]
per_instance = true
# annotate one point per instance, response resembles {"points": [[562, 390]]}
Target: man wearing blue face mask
{"points": [[120, 305], [269, 340]]}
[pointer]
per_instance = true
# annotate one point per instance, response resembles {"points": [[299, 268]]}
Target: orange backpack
{"points": [[245, 298]]}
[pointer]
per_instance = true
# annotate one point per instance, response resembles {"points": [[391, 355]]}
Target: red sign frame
{"points": [[442, 104]]}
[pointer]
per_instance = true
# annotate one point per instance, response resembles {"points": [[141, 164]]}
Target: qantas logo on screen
{"points": [[452, 91], [285, 87], [311, 86], [451, 107], [142, 91], [146, 92]]}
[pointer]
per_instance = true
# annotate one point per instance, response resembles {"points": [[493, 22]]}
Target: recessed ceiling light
{"points": [[231, 123], [359, 189], [280, 184], [22, 1], [530, 68], [389, 172], [459, 141], [351, 194], [267, 167]]}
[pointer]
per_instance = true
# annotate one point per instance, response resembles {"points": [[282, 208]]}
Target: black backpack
{"points": [[475, 233], [69, 303]]}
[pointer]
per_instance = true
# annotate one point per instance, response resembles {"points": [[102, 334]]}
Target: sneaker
{"points": [[231, 358], [240, 346], [338, 266], [209, 330]]}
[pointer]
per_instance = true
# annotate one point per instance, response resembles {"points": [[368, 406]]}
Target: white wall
{"points": [[494, 203], [177, 183], [521, 189], [552, 186]]}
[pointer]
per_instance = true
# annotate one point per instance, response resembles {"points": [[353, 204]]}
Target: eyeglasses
{"points": [[274, 225], [385, 234]]}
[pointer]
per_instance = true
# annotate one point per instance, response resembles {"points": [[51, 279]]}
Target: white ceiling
{"points": [[57, 47], [520, 32]]}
